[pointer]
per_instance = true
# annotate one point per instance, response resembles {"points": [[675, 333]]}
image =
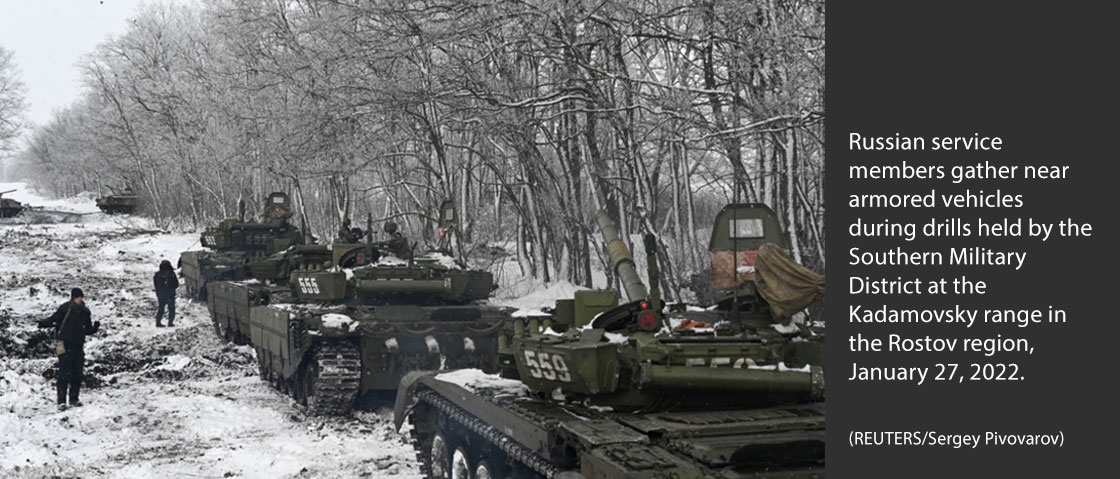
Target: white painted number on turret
{"points": [[308, 286], [210, 240], [548, 367]]}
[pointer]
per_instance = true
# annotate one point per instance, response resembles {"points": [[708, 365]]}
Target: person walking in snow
{"points": [[71, 323], [166, 283]]}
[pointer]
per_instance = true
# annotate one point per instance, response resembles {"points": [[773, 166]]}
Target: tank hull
{"points": [[117, 204], [534, 437], [389, 342], [229, 303], [199, 268], [10, 208]]}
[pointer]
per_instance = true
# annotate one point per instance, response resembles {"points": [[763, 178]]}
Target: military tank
{"points": [[9, 208], [229, 301], [352, 333], [118, 203], [267, 280], [233, 242], [602, 390]]}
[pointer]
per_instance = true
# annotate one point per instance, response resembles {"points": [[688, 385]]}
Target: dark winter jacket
{"points": [[165, 281], [77, 326]]}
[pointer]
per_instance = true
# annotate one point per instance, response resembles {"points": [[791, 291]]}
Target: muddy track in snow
{"points": [[167, 402]]}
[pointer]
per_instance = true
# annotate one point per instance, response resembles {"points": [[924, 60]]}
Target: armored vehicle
{"points": [[601, 390], [123, 202], [229, 301], [268, 277], [233, 242], [8, 207], [352, 333]]}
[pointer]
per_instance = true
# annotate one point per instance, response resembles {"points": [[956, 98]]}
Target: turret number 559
{"points": [[550, 367]]}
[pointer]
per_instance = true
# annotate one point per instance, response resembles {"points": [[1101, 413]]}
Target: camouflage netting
{"points": [[786, 285]]}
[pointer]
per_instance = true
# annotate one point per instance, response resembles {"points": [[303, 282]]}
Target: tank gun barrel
{"points": [[621, 261], [6, 192]]}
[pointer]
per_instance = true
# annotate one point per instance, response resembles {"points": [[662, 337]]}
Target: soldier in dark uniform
{"points": [[166, 283], [397, 244], [344, 231], [346, 234], [71, 323]]}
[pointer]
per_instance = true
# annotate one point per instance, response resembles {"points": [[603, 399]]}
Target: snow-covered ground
{"points": [[29, 197], [169, 402]]}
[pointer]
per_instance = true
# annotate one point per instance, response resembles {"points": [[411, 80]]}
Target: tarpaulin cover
{"points": [[786, 285]]}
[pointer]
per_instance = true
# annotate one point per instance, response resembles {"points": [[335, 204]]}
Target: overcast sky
{"points": [[48, 37]]}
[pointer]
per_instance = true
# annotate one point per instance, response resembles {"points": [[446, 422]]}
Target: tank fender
{"points": [[406, 400]]}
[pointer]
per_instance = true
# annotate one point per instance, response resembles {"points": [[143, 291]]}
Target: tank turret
{"points": [[8, 207], [233, 242], [637, 356], [122, 202]]}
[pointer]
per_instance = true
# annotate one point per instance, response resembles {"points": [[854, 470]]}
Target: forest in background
{"points": [[530, 115]]}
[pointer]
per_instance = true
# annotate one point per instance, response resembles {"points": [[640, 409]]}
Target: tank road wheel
{"points": [[329, 380], [484, 471], [460, 467], [440, 457], [492, 467]]}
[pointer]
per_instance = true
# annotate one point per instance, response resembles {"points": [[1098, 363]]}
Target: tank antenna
{"points": [[735, 255], [369, 236]]}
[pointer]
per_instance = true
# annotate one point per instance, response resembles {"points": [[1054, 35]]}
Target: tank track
{"points": [[506, 444], [339, 373], [422, 432]]}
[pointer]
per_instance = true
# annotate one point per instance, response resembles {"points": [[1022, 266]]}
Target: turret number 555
{"points": [[308, 286], [550, 367]]}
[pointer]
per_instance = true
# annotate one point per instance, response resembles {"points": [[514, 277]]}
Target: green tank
{"points": [[123, 202], [9, 208], [267, 279], [229, 301], [233, 243], [602, 390], [349, 333]]}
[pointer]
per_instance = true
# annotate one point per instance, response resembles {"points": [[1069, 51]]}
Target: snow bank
{"points": [[175, 362], [84, 203], [531, 295], [159, 402]]}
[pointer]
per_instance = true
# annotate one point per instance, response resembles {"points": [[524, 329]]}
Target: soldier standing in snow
{"points": [[71, 324], [166, 283]]}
